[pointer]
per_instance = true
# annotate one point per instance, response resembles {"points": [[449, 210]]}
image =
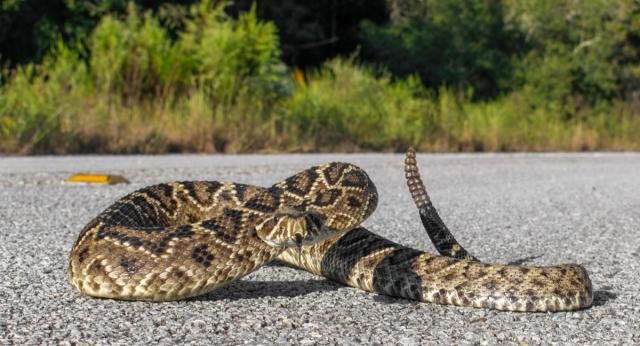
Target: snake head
{"points": [[292, 228]]}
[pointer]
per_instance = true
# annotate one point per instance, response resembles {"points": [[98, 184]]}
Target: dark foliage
{"points": [[452, 43], [314, 31]]}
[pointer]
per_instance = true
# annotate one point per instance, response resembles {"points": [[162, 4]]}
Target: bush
{"points": [[218, 85], [587, 49], [456, 44], [344, 106], [131, 88], [37, 102]]}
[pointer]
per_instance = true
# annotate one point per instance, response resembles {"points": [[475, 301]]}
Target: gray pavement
{"points": [[523, 208]]}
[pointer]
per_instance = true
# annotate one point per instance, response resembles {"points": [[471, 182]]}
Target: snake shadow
{"points": [[524, 260], [602, 296], [260, 289]]}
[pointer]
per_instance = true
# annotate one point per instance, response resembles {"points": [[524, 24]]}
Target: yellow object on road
{"points": [[97, 179]]}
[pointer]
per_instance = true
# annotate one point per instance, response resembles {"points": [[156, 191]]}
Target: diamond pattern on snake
{"points": [[181, 239]]}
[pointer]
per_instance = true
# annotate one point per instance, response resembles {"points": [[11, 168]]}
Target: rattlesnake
{"points": [[177, 240]]}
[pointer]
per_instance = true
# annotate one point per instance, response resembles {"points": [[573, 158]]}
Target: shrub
{"points": [[343, 105], [132, 88]]}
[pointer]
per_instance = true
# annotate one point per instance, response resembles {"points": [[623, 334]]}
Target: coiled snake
{"points": [[177, 240]]}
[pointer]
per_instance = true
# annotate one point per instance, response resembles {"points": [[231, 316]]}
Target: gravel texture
{"points": [[514, 208]]}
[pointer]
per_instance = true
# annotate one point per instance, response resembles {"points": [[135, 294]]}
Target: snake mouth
{"points": [[292, 229], [312, 237], [323, 234], [300, 241]]}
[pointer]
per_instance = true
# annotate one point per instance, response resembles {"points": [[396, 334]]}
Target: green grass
{"points": [[220, 87]]}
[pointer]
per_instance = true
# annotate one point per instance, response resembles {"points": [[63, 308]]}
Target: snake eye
{"points": [[315, 220]]}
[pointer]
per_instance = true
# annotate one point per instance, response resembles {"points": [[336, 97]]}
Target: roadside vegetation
{"points": [[470, 76]]}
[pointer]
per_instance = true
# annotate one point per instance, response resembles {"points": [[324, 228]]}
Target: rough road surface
{"points": [[522, 208]]}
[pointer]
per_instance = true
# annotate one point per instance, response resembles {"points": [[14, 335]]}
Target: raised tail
{"points": [[438, 232]]}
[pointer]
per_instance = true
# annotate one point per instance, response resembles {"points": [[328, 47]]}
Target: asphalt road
{"points": [[534, 209]]}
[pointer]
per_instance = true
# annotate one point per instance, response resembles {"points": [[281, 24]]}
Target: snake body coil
{"points": [[176, 240]]}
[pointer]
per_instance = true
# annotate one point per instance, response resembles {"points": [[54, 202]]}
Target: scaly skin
{"points": [[177, 240], [372, 263], [367, 261]]}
